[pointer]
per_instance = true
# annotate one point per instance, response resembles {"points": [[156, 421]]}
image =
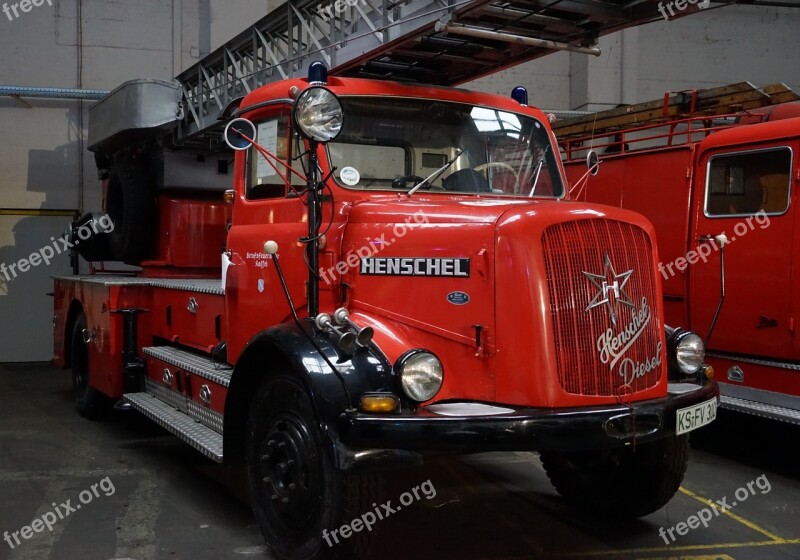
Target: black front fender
{"points": [[287, 349]]}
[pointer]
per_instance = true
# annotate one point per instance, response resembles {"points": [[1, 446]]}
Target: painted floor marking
{"points": [[774, 540], [742, 520]]}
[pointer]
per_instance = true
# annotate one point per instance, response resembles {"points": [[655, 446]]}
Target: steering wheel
{"points": [[401, 182], [497, 164]]}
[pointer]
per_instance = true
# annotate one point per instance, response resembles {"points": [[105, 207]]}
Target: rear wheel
{"points": [[89, 402], [622, 482], [299, 496]]}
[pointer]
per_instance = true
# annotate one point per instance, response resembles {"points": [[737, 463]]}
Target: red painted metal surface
{"points": [[172, 320], [99, 302], [191, 236]]}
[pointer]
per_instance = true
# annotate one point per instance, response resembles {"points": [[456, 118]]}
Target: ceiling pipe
{"points": [[567, 114], [481, 33], [52, 93]]}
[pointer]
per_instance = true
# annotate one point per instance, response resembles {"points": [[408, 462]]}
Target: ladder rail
{"points": [[282, 44], [676, 106]]}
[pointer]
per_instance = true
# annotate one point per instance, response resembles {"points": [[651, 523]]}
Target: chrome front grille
{"points": [[603, 307]]}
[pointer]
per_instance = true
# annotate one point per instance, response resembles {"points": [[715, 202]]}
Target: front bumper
{"points": [[525, 429]]}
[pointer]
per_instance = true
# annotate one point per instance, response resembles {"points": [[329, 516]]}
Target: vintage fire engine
{"points": [[396, 270], [721, 203]]}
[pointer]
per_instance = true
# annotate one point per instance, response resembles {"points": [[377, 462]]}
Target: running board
{"points": [[194, 363], [204, 439], [770, 411]]}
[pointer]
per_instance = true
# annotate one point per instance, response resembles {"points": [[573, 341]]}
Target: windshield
{"points": [[437, 146]]}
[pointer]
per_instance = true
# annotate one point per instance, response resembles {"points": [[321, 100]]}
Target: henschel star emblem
{"points": [[611, 290]]}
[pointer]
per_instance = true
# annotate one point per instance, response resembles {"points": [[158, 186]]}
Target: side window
{"points": [[264, 177], [746, 183]]}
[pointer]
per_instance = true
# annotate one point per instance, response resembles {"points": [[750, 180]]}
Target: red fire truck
{"points": [[394, 269], [713, 171]]}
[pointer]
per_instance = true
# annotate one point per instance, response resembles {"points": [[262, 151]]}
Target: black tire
{"points": [[296, 490], [89, 402], [130, 205], [620, 482], [95, 248]]}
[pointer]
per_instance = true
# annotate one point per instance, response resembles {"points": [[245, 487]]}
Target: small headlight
{"points": [[421, 374], [318, 114], [690, 353]]}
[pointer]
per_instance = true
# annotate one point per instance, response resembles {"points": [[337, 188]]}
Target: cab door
{"points": [[267, 207], [745, 194]]}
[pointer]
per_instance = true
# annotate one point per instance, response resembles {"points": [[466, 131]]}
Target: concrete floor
{"points": [[169, 502]]}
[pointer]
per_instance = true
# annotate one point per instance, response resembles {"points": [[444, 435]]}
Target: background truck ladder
{"points": [[674, 107]]}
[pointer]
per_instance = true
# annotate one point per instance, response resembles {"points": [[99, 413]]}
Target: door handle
{"points": [[720, 238]]}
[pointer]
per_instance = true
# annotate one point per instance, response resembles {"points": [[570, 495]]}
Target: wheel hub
{"points": [[288, 467]]}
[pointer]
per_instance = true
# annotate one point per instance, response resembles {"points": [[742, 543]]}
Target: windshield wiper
{"points": [[435, 175], [538, 170]]}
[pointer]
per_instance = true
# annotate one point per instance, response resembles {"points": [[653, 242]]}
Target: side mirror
{"points": [[240, 134], [593, 162]]}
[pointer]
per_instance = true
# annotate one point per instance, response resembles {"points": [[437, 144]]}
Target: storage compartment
{"points": [[135, 111], [191, 318]]}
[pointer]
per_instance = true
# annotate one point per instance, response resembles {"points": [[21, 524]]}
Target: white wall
{"points": [[45, 164]]}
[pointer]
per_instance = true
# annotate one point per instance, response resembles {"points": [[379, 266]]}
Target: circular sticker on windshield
{"points": [[349, 176]]}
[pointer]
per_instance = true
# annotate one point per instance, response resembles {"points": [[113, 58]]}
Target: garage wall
{"points": [[94, 44], [98, 44]]}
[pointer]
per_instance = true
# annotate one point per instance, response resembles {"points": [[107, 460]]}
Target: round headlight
{"points": [[690, 353], [318, 114], [421, 375]]}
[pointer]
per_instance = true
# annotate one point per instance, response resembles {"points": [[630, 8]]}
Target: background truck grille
{"points": [[572, 248]]}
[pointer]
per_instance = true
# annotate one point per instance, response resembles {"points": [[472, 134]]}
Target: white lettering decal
{"points": [[613, 346], [630, 371]]}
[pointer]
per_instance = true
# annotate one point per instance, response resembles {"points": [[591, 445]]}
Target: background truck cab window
{"points": [[746, 183]]}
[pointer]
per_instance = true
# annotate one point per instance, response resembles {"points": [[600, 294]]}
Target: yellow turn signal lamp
{"points": [[379, 403], [710, 372]]}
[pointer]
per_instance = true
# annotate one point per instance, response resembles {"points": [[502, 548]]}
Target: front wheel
{"points": [[299, 496], [626, 482]]}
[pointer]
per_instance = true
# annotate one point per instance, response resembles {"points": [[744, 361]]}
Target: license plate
{"points": [[693, 417]]}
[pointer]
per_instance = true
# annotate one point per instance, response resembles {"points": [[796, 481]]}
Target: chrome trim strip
{"points": [[760, 409], [757, 361], [771, 398], [172, 398]]}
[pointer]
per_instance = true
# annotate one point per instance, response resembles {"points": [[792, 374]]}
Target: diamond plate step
{"points": [[196, 285], [761, 409], [193, 363], [204, 439]]}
